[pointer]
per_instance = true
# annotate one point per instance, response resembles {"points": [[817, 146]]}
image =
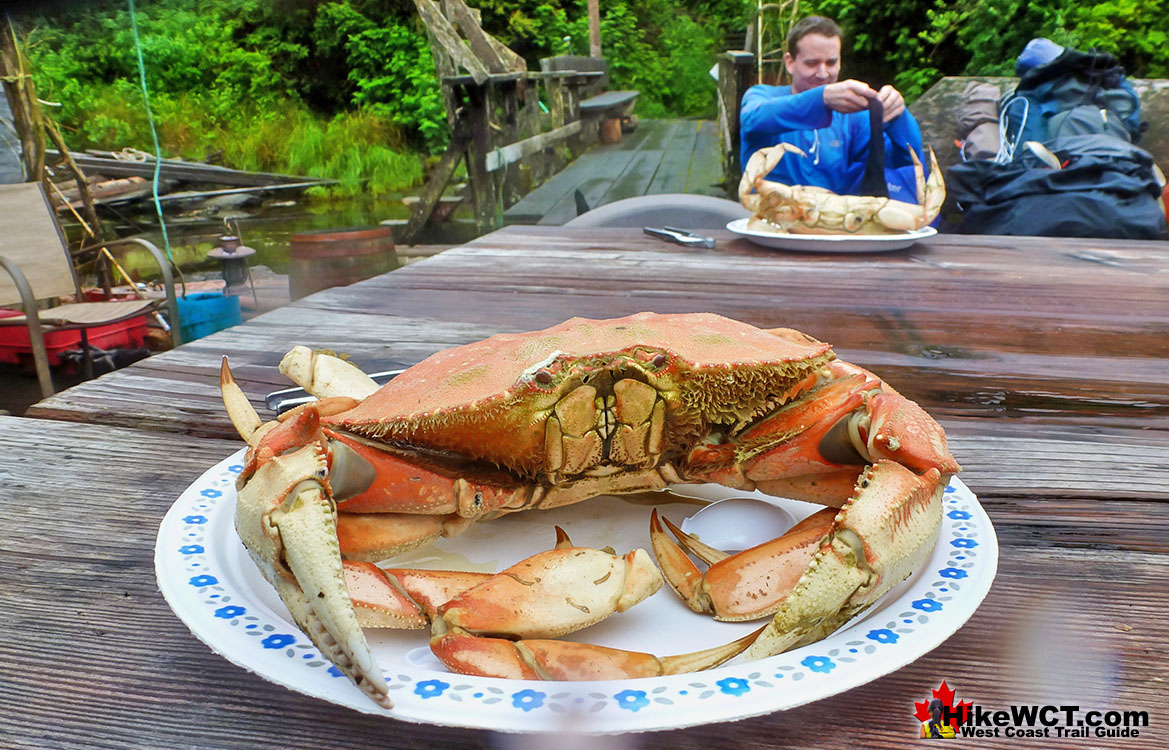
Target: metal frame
{"points": [[36, 330]]}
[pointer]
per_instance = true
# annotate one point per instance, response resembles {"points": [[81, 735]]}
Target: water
{"points": [[267, 228]]}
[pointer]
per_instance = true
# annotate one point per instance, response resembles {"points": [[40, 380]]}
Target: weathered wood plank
{"points": [[92, 656], [975, 329], [706, 176], [515, 151], [673, 171], [637, 176], [444, 37], [608, 167], [552, 202]]}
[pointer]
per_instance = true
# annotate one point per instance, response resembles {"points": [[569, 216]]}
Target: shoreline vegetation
{"points": [[346, 89]]}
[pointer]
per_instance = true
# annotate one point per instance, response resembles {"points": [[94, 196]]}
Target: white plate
{"points": [[210, 582], [831, 243]]}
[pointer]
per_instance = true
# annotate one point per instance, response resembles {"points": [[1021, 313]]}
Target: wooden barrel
{"points": [[337, 257]]}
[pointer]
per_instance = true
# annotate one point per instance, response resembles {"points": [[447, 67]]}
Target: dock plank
{"points": [[706, 169], [640, 172], [674, 172], [607, 164], [555, 194], [658, 157]]}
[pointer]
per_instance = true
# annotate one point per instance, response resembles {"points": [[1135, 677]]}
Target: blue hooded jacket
{"points": [[837, 144]]}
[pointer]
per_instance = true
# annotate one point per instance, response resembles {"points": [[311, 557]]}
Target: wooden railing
{"points": [[514, 128]]}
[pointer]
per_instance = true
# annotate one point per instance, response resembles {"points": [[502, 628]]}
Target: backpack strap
{"points": [[873, 183]]}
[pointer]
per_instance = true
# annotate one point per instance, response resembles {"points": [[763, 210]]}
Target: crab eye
{"points": [[543, 376], [660, 361]]}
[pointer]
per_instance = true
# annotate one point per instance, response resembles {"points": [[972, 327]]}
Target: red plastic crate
{"points": [[16, 347]]}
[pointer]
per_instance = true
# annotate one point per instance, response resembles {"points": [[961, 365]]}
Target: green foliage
{"points": [[347, 88], [912, 43], [395, 77]]}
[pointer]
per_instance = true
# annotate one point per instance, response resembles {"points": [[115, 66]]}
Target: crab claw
{"points": [[539, 659], [287, 521], [879, 537], [324, 375], [552, 593], [744, 586]]}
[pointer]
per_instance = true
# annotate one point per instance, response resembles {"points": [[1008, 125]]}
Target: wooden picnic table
{"points": [[1046, 360]]}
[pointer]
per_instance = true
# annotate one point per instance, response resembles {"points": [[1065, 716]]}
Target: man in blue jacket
{"points": [[828, 120]]}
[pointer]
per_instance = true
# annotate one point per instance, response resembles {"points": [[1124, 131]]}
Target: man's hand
{"points": [[850, 96], [892, 100]]}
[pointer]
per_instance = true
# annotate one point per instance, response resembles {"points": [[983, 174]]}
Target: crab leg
{"points": [[540, 659], [815, 447], [549, 594], [744, 586]]}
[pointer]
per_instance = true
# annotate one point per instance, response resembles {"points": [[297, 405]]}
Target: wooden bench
{"points": [[600, 106], [611, 105]]}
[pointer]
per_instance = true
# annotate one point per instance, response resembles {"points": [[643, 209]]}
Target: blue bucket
{"points": [[207, 312]]}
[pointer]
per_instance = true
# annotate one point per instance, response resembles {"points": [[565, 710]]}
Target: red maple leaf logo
{"points": [[946, 696]]}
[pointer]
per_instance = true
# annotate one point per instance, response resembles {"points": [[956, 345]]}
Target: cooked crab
{"points": [[538, 420], [807, 209]]}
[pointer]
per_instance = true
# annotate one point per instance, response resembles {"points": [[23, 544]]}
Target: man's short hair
{"points": [[810, 25]]}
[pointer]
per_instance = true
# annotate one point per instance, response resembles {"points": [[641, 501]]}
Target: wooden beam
{"points": [[434, 187], [594, 28], [511, 153], [494, 54], [443, 35], [180, 170]]}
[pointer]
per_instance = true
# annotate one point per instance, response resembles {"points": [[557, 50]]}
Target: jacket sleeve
{"points": [[762, 112], [903, 130]]}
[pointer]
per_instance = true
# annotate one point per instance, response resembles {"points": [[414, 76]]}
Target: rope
{"points": [[1008, 147], [153, 132]]}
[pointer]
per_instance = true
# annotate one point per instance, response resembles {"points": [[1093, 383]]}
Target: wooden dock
{"points": [[660, 156]]}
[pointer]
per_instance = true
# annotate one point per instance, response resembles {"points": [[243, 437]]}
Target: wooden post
{"points": [[438, 181], [22, 99], [594, 28], [734, 75], [482, 183]]}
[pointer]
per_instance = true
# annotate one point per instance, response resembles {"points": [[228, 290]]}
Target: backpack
{"points": [[1092, 84], [1103, 187]]}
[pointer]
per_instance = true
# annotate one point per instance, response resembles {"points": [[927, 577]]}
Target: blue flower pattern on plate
{"points": [[278, 640], [733, 685], [430, 688], [229, 612], [882, 635], [631, 700], [819, 664], [530, 700], [527, 700], [927, 605]]}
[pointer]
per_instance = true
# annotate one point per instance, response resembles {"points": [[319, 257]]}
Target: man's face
{"points": [[816, 63]]}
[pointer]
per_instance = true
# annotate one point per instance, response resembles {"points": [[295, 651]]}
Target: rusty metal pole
{"points": [[594, 28]]}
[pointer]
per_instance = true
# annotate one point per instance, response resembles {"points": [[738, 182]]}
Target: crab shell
{"points": [[494, 399]]}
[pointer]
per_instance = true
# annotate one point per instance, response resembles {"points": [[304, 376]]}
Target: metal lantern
{"points": [[233, 263]]}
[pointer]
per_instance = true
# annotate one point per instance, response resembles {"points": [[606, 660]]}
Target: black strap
{"points": [[873, 182]]}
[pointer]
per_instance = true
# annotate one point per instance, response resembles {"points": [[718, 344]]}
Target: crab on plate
{"points": [[526, 421]]}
